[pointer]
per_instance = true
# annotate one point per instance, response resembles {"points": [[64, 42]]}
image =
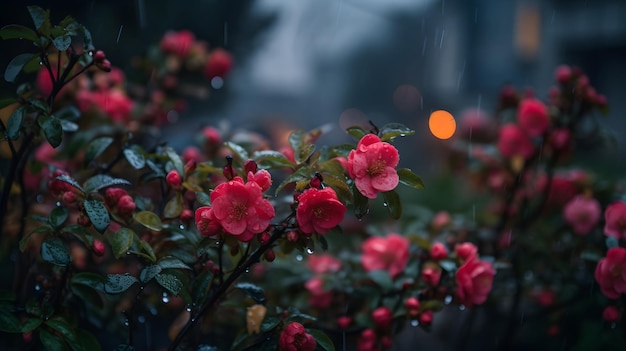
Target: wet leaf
{"points": [[15, 66], [239, 152], [174, 206], [391, 131], [52, 342], [149, 220], [381, 278], [62, 327], [304, 152], [31, 324], [96, 147], [62, 42], [121, 241], [24, 240], [52, 129], [80, 232], [303, 173], [16, 31], [203, 198], [86, 341], [271, 159], [149, 272], [177, 162], [88, 295], [296, 138], [89, 279], [135, 157], [9, 323], [69, 180], [54, 251], [360, 202], [323, 341], [201, 286], [393, 204], [40, 17], [407, 177], [101, 181], [68, 126], [58, 216], [172, 262], [357, 132], [15, 123], [170, 282], [98, 214], [253, 291], [269, 323], [118, 283]]}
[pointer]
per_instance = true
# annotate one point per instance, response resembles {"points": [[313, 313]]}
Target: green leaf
{"points": [[391, 131], [81, 233], [96, 147], [172, 262], [296, 138], [92, 280], [118, 283], [52, 342], [86, 341], [339, 186], [98, 214], [60, 325], [24, 240], [304, 173], [149, 272], [203, 198], [31, 324], [16, 31], [174, 206], [381, 278], [15, 123], [304, 152], [146, 251], [135, 157], [407, 177], [101, 181], [393, 204], [88, 295], [62, 42], [121, 241], [9, 323], [33, 65], [39, 104], [239, 152], [177, 162], [169, 282], [54, 251], [271, 159], [7, 102], [357, 132], [15, 66], [360, 202], [253, 291], [68, 126], [69, 180], [200, 286], [52, 129], [322, 339], [39, 16], [269, 323], [58, 216], [611, 242], [149, 220]]}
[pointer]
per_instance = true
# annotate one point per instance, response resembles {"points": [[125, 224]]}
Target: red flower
{"points": [[112, 196], [262, 177], [324, 263], [320, 297], [114, 103], [372, 166], [177, 43], [206, 222], [218, 64], [390, 254], [126, 205], [474, 280], [438, 251], [611, 314], [465, 251], [382, 317], [98, 248], [431, 275], [615, 220], [319, 210], [532, 116], [514, 142], [295, 338], [173, 179], [582, 214], [240, 208], [611, 273]]}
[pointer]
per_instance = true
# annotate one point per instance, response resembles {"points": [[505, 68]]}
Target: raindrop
{"points": [[141, 319], [309, 251], [424, 45], [119, 34], [415, 323], [188, 308], [165, 298], [58, 203], [90, 54], [37, 287], [385, 204], [299, 258], [217, 83], [443, 33], [181, 227], [462, 308], [126, 323], [128, 252], [217, 243], [153, 311], [40, 63], [248, 270], [447, 300]]}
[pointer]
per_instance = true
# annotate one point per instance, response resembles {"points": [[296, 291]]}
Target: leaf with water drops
{"points": [[149, 220], [271, 159], [391, 131], [14, 124], [238, 152], [170, 282], [39, 16], [407, 177], [118, 283], [52, 129], [54, 251], [149, 272], [134, 156], [15, 66], [360, 202], [62, 42], [101, 181], [96, 147], [121, 241], [58, 216], [393, 204], [98, 214], [253, 291], [357, 132], [69, 180], [16, 31], [52, 342], [172, 263], [200, 286]]}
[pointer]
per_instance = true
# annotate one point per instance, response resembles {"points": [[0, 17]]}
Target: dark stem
{"points": [[220, 254], [223, 287]]}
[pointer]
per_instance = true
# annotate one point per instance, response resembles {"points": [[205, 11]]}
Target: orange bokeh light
{"points": [[442, 124]]}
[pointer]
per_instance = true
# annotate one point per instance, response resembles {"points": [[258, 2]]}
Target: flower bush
{"points": [[236, 243]]}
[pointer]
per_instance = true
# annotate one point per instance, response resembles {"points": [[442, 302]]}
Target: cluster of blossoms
{"points": [[610, 272]]}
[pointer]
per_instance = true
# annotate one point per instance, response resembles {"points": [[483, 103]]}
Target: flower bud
{"points": [[431, 276], [465, 251], [264, 238], [173, 179], [292, 236], [186, 215], [99, 56], [270, 256], [563, 74], [105, 65], [412, 305], [426, 318], [98, 248], [344, 322], [250, 166], [126, 205], [611, 314], [438, 251], [69, 198], [382, 317]]}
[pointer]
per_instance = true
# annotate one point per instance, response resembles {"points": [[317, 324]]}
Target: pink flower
{"points": [[390, 254], [323, 263], [126, 205], [582, 214], [320, 297], [441, 220], [532, 116], [563, 74], [513, 141], [372, 166], [114, 103], [611, 273], [611, 314], [177, 43], [262, 177], [206, 222], [218, 64], [295, 338], [382, 317], [173, 179], [615, 220], [240, 208], [465, 251], [474, 280], [431, 275], [319, 210], [438, 251]]}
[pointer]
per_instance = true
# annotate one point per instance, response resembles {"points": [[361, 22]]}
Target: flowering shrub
{"points": [[220, 243]]}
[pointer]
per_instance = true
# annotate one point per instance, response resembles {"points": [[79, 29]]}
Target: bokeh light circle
{"points": [[442, 124]]}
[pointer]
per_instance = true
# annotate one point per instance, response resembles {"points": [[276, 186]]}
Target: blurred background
{"points": [[305, 63]]}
